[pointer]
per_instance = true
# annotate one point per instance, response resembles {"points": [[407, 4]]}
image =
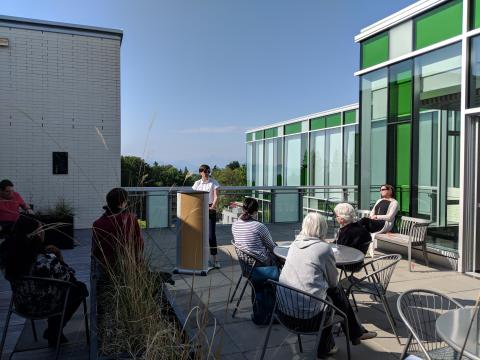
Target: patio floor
{"points": [[239, 338]]}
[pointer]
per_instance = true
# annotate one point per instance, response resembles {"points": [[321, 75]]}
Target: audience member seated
{"points": [[24, 254], [253, 236], [382, 216], [310, 267], [351, 233], [10, 203], [117, 231]]}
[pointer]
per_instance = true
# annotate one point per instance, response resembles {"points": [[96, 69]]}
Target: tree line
{"points": [[135, 171]]}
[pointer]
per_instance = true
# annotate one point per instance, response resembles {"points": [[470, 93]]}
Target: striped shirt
{"points": [[254, 237]]}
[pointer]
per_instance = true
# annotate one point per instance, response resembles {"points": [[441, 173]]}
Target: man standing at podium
{"points": [[207, 183]]}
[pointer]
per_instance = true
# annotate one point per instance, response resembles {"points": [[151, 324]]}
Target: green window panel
{"points": [[259, 135], [375, 50], [474, 89], [269, 133], [400, 86], [403, 166], [475, 14], [317, 123], [350, 117], [334, 120], [249, 136], [293, 128], [439, 24]]}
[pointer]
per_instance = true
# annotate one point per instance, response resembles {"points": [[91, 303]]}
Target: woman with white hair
{"points": [[351, 233], [310, 267]]}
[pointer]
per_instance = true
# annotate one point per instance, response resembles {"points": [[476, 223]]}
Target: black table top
{"points": [[344, 255], [452, 327]]}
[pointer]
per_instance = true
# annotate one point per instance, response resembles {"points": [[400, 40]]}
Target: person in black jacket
{"points": [[351, 233]]}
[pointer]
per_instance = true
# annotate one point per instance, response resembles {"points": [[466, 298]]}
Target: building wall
{"points": [[60, 92]]}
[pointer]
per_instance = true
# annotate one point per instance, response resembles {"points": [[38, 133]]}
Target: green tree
{"points": [[135, 171]]}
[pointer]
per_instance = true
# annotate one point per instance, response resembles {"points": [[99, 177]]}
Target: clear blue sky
{"points": [[195, 74]]}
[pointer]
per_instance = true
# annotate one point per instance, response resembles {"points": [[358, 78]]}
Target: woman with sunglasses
{"points": [[382, 216], [210, 185]]}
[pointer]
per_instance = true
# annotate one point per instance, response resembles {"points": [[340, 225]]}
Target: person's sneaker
{"points": [[332, 351], [217, 265], [365, 336]]}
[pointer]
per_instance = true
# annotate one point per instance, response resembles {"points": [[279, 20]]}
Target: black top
{"points": [[354, 235], [382, 207]]}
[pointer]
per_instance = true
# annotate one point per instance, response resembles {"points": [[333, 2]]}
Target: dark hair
{"points": [[391, 188], [115, 198], [4, 183], [250, 206], [19, 251], [204, 167]]}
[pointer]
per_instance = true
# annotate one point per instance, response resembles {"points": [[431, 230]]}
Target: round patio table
{"points": [[452, 327], [344, 255]]}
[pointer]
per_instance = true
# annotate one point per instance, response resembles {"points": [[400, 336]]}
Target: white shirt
{"points": [[210, 185]]}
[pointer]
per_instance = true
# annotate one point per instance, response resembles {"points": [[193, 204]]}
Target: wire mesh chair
{"points": [[36, 298], [304, 314], [247, 262], [419, 310], [378, 272]]}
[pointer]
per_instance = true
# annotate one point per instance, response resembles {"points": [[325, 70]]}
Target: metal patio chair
{"points": [[419, 310], [247, 262], [378, 273], [303, 314], [36, 298]]}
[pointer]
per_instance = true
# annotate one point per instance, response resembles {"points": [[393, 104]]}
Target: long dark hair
{"points": [[250, 206], [19, 251], [115, 198]]}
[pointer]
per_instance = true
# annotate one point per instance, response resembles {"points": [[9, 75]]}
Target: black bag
{"points": [[263, 297]]}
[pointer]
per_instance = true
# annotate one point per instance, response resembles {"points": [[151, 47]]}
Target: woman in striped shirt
{"points": [[253, 236]]}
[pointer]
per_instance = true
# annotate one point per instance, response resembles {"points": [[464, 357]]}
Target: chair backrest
{"points": [[299, 311], [383, 268], [38, 298], [415, 228], [419, 310], [246, 259]]}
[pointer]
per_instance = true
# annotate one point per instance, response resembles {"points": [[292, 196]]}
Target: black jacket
{"points": [[354, 235]]}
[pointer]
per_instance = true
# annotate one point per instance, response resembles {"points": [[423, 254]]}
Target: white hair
{"points": [[346, 212], [314, 225]]}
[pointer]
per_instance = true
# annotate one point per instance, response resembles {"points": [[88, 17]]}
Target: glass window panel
{"points": [[334, 120], [400, 84], [350, 164], [249, 137], [474, 90], [250, 164], [402, 173], [270, 179], [378, 157], [293, 128], [259, 163], [350, 117], [279, 161], [439, 24], [475, 14], [317, 123], [374, 50], [259, 135], [333, 145], [317, 161], [401, 39], [269, 133], [293, 152]]}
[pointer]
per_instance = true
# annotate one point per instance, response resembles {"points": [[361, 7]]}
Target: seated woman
{"points": [[351, 233], [310, 267], [117, 231], [253, 236], [382, 216], [24, 254]]}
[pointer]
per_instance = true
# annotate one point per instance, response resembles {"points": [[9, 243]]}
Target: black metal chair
{"points": [[36, 298], [303, 314], [419, 310], [248, 262], [375, 283]]}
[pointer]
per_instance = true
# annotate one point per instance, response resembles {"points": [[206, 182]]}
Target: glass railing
{"points": [[156, 207]]}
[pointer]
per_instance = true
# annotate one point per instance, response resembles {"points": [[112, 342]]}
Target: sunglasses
{"points": [[383, 189]]}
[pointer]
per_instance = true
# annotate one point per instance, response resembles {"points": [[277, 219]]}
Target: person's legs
{"points": [[212, 237], [372, 226], [327, 342], [339, 299]]}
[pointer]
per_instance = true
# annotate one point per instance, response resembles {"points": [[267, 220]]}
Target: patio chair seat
{"points": [[365, 287]]}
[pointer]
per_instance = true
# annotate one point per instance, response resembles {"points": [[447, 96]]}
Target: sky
{"points": [[196, 74]]}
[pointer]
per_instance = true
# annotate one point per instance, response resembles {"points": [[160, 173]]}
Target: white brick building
{"points": [[60, 93]]}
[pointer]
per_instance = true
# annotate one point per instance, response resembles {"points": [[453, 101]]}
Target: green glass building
{"points": [[416, 126]]}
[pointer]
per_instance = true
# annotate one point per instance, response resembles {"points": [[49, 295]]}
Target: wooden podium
{"points": [[192, 233]]}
